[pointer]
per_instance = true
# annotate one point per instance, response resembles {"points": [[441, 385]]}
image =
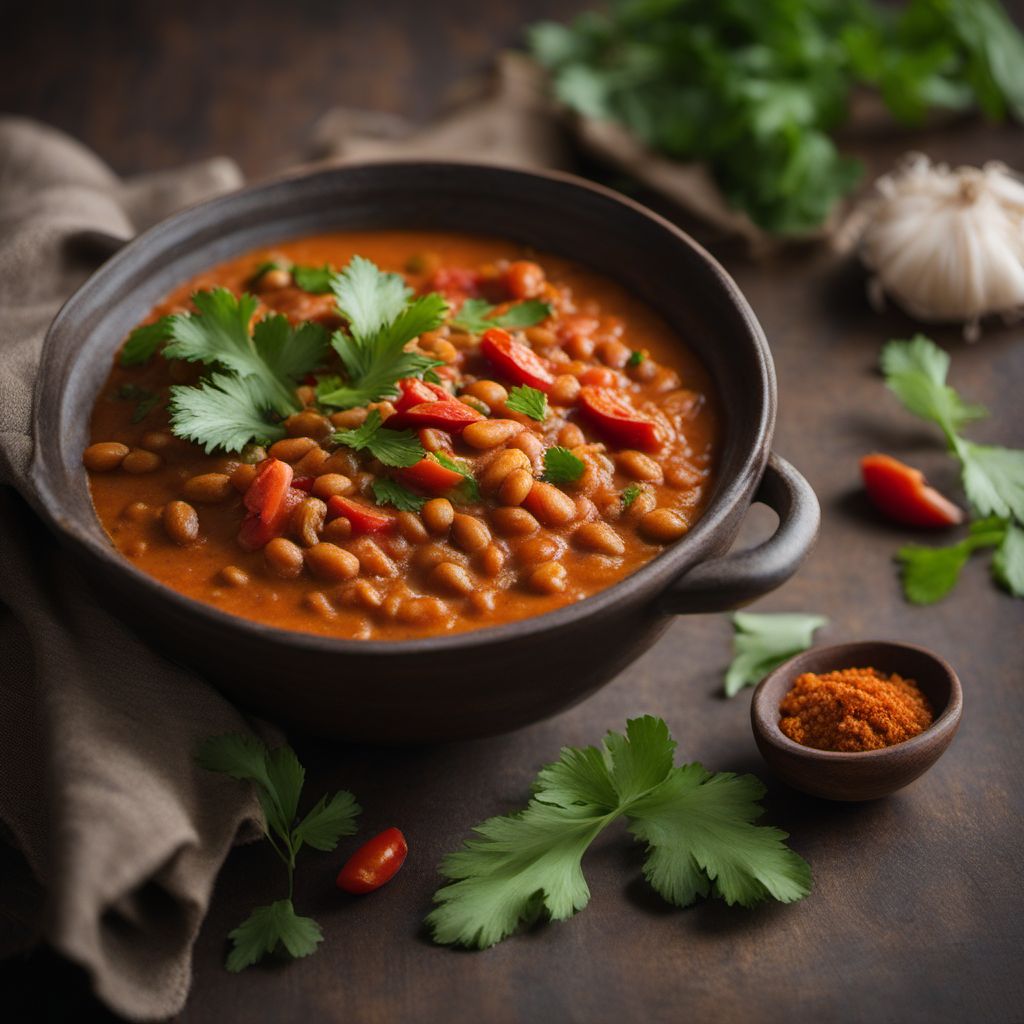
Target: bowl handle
{"points": [[735, 579]]}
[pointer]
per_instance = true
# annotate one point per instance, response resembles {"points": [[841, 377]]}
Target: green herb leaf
{"points": [[390, 492], [477, 315], [636, 357], [289, 352], [993, 478], [528, 401], [561, 466], [762, 642], [383, 318], [327, 822], [630, 493], [316, 280], [469, 487], [929, 574], [697, 827], [266, 928], [225, 412], [1008, 563], [393, 447], [143, 342]]}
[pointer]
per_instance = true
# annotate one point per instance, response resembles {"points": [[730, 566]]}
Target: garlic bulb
{"points": [[947, 245]]}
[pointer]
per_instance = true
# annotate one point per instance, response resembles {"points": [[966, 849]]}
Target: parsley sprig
{"points": [[278, 777], [528, 401], [391, 492], [698, 829], [392, 447], [383, 318], [763, 641], [561, 466], [992, 476], [477, 315]]}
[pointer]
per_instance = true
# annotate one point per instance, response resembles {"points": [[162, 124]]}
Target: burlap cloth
{"points": [[114, 835]]}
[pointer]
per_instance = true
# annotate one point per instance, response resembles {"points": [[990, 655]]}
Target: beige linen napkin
{"points": [[118, 834]]}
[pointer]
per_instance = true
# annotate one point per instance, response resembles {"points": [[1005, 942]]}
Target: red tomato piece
{"points": [[515, 361], [364, 518], [616, 419], [375, 863], [269, 500], [430, 475], [900, 492], [449, 414]]}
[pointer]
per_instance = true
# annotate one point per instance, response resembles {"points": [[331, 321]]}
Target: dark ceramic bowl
{"points": [[468, 684], [869, 774]]}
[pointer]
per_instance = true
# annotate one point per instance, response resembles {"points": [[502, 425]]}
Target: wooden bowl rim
{"points": [[765, 719]]}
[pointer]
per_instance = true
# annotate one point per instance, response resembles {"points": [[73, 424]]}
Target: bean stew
{"points": [[390, 435]]}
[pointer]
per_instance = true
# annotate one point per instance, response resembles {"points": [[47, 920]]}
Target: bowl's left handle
{"points": [[735, 579]]}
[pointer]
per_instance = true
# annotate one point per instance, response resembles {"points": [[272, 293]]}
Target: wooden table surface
{"points": [[916, 909]]}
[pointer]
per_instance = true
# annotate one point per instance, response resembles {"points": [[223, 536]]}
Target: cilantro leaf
{"points": [[929, 573], [327, 822], [702, 840], [630, 494], [528, 401], [476, 315], [316, 280], [219, 335], [993, 478], [762, 642], [391, 492], [393, 447], [383, 318], [561, 466], [469, 487], [698, 828], [224, 411], [144, 341], [268, 927], [279, 778], [1008, 563]]}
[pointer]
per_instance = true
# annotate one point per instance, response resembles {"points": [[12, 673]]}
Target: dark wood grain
{"points": [[916, 913]]}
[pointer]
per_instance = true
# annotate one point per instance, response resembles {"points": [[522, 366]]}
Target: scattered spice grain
{"points": [[853, 709]]}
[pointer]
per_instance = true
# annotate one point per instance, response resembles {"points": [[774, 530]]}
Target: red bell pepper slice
{"points": [[416, 392], [515, 361], [616, 419], [269, 500], [364, 518], [449, 414], [430, 475], [900, 492], [374, 864]]}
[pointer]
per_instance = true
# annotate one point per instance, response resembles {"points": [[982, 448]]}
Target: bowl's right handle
{"points": [[735, 579]]}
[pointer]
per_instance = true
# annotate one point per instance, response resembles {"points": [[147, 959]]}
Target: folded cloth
{"points": [[118, 834]]}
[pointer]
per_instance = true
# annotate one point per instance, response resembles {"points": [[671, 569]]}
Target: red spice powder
{"points": [[853, 709]]}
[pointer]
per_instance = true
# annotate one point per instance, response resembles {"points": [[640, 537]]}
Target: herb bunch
{"points": [[757, 89], [992, 477]]}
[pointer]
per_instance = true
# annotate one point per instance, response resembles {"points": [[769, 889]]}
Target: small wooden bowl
{"points": [[869, 774]]}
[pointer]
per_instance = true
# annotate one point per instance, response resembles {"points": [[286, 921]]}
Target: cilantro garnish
{"points": [[316, 280], [929, 574], [391, 492], [383, 318], [392, 447], [697, 828], [528, 401], [476, 315], [145, 401], [992, 476], [630, 494], [224, 411], [143, 342], [561, 466], [469, 488], [763, 642], [278, 777]]}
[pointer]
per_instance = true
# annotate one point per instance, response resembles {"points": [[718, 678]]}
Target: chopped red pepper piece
{"points": [[269, 499], [515, 361], [900, 492], [430, 475], [618, 421], [449, 414], [374, 864], [416, 392], [364, 518]]}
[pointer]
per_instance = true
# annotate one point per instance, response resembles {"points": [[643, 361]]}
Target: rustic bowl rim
{"points": [[657, 574], [765, 719]]}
